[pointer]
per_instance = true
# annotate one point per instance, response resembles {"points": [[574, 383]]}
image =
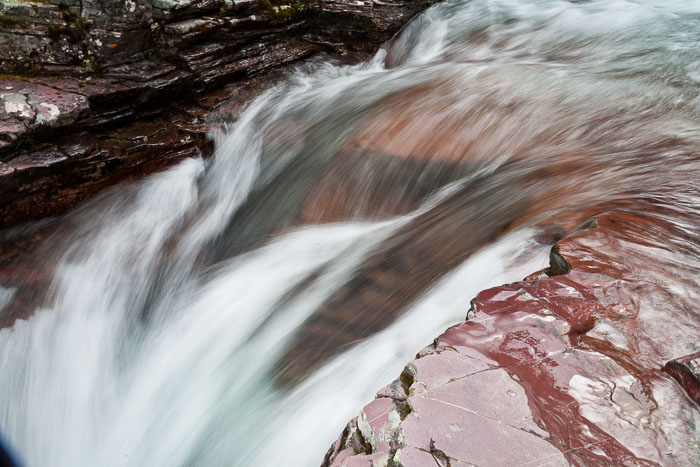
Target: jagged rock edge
{"points": [[401, 386]]}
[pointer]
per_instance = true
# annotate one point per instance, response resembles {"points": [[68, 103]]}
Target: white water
{"points": [[96, 386], [150, 353]]}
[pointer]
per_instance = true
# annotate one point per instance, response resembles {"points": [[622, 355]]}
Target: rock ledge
{"points": [[568, 366]]}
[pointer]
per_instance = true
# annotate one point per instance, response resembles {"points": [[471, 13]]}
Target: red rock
{"points": [[418, 135], [417, 140], [686, 371], [567, 369]]}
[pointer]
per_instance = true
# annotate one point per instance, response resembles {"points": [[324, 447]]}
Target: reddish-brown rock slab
{"points": [[560, 369], [411, 144]]}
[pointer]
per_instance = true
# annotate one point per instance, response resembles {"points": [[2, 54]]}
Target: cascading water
{"points": [[214, 315]]}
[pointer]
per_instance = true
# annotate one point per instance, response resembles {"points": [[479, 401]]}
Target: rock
{"points": [[28, 108], [355, 24], [90, 67], [44, 179], [559, 369], [686, 370], [25, 269], [419, 139]]}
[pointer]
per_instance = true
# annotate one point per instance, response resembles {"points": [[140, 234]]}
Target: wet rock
{"points": [[686, 371], [26, 108], [44, 179], [569, 368], [412, 143], [398, 156], [372, 184], [419, 139], [353, 25]]}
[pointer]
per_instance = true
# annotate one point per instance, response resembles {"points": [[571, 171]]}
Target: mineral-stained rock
{"points": [[558, 369], [83, 68]]}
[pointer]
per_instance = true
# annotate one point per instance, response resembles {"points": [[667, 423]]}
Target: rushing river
{"points": [[239, 310]]}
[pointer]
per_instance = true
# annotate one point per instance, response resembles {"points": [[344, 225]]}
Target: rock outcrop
{"points": [[97, 91], [569, 366]]}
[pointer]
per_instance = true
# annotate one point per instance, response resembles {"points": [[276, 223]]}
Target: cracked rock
{"points": [[559, 369]]}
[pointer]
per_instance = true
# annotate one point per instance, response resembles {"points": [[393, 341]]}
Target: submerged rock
{"points": [[570, 367]]}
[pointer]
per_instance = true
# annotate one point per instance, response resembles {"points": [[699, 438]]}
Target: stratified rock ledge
{"points": [[93, 92], [565, 367]]}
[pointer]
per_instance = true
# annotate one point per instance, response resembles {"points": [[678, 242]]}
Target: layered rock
{"points": [[569, 366], [73, 71]]}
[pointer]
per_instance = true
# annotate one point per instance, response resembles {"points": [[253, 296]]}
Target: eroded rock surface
{"points": [[565, 367], [73, 71]]}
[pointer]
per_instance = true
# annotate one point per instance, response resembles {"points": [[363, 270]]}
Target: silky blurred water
{"points": [[169, 335]]}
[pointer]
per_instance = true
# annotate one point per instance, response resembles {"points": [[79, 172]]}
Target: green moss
{"points": [[284, 12], [24, 141], [11, 77], [9, 22]]}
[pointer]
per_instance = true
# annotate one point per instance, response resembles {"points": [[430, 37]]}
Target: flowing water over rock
{"points": [[239, 310]]}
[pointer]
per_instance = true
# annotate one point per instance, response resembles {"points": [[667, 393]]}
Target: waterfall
{"points": [[171, 322]]}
